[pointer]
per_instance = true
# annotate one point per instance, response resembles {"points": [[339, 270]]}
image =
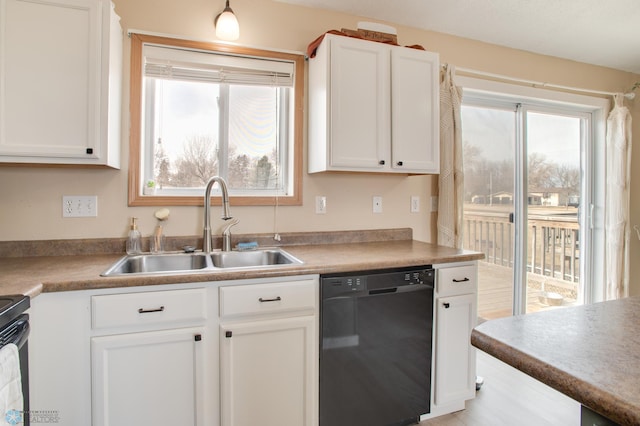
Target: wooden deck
{"points": [[495, 291]]}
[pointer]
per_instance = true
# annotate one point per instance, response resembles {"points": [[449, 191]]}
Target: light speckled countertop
{"points": [[35, 274], [590, 353]]}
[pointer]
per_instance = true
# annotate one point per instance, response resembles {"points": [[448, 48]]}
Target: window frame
{"points": [[136, 144]]}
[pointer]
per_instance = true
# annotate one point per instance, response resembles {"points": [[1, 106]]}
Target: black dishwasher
{"points": [[375, 346]]}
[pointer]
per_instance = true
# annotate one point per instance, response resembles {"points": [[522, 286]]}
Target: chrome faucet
{"points": [[226, 236]]}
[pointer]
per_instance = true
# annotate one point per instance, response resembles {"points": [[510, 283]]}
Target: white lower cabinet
{"points": [[59, 357], [454, 364], [455, 358], [268, 354], [148, 377], [264, 372], [160, 355], [151, 378], [126, 356]]}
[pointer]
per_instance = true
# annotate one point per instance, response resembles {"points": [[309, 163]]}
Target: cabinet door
{"points": [[359, 104], [49, 105], [415, 111], [149, 378], [455, 357], [60, 73], [268, 373]]}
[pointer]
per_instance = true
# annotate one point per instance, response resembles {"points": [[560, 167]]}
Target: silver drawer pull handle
{"points": [[147, 311], [277, 299], [461, 281]]}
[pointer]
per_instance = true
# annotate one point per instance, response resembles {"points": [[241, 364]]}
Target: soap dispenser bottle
{"points": [[134, 241]]}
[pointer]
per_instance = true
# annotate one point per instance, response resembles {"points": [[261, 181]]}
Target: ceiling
{"points": [[599, 32]]}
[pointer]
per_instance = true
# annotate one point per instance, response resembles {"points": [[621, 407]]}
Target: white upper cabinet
{"points": [[415, 111], [60, 82], [373, 107], [349, 108]]}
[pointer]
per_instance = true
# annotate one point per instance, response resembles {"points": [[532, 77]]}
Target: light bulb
{"points": [[227, 27]]}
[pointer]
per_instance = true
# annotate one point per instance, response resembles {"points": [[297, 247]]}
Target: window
{"points": [[200, 110]]}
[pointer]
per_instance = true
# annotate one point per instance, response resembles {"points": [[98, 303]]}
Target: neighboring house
{"points": [[554, 197], [501, 197]]}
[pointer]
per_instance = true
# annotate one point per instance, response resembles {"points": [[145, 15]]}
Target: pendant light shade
{"points": [[226, 24]]}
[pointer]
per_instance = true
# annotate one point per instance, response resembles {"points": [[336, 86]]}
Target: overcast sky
{"points": [[493, 131]]}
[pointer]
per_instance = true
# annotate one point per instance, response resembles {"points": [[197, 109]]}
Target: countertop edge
{"points": [[585, 393]]}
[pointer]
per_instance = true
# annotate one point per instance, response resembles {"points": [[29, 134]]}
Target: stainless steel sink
{"points": [[179, 263], [157, 263], [252, 258]]}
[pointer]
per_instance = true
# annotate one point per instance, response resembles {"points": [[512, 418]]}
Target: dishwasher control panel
{"points": [[332, 286], [339, 285]]}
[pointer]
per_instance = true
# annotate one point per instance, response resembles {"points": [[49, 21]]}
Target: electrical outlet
{"points": [[321, 204], [377, 204], [415, 204], [79, 206]]}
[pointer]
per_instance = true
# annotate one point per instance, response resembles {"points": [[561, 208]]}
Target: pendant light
{"points": [[226, 24]]}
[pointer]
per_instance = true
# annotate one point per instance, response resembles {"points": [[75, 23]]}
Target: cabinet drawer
{"points": [[148, 308], [457, 280], [255, 299]]}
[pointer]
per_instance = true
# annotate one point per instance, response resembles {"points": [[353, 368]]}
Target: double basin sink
{"points": [[175, 263]]}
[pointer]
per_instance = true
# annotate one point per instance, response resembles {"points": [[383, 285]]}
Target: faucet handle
{"points": [[227, 226], [226, 234]]}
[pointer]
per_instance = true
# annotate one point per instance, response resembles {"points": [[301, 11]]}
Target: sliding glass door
{"points": [[526, 180], [489, 144], [553, 196]]}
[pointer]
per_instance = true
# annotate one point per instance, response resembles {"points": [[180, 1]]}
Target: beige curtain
{"points": [[618, 173], [451, 180]]}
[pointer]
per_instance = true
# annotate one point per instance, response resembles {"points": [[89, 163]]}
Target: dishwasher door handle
{"points": [[401, 289]]}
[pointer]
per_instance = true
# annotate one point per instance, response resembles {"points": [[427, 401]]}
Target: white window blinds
{"points": [[215, 67]]}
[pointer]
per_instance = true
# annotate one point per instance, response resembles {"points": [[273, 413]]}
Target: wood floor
{"points": [[509, 397]]}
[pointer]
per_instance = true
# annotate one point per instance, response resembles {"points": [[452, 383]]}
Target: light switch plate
{"points": [[415, 204], [377, 204], [321, 204]]}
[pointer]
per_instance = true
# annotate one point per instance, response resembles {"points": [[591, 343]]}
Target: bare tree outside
{"points": [[485, 177], [239, 171], [161, 165], [198, 162], [540, 171], [568, 178]]}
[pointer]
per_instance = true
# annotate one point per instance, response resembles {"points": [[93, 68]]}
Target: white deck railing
{"points": [[553, 248]]}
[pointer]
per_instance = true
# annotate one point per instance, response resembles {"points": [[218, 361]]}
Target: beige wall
{"points": [[31, 198]]}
